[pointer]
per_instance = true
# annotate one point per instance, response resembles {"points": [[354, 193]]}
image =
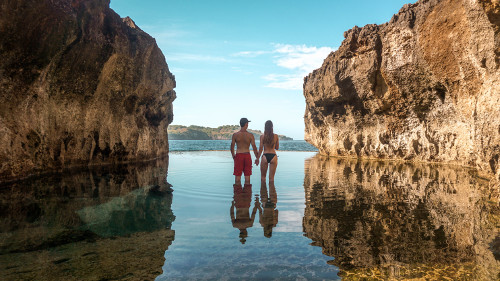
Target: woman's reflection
{"points": [[242, 200], [268, 217]]}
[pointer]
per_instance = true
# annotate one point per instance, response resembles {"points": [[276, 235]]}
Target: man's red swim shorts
{"points": [[242, 163]]}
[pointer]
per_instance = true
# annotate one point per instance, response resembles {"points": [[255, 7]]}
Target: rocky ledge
{"points": [[423, 87], [78, 86]]}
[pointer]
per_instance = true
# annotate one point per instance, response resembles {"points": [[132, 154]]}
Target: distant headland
{"points": [[193, 132]]}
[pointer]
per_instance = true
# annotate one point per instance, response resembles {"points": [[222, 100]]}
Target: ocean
{"points": [[199, 145]]}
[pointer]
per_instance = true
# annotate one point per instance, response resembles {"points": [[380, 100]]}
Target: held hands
{"points": [[257, 162]]}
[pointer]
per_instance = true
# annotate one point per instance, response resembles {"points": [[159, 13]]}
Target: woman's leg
{"points": [[272, 169], [263, 168]]}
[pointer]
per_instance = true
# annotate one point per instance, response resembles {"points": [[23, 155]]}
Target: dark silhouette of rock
{"points": [[423, 87], [78, 86]]}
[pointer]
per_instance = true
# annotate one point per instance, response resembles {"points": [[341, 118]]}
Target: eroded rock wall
{"points": [[423, 87], [78, 86]]}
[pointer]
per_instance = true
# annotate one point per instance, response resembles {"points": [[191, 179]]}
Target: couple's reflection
{"points": [[243, 219]]}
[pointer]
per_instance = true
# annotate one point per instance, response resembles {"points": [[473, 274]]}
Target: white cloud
{"points": [[250, 54], [195, 57], [284, 81], [300, 59]]}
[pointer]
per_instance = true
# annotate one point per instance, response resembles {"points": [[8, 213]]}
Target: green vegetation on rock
{"points": [[193, 132]]}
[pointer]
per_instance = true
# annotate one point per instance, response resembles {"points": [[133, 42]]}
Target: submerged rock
{"points": [[78, 86], [424, 87]]}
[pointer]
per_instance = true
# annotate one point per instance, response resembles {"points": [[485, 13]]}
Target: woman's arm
{"points": [[261, 145], [277, 145]]}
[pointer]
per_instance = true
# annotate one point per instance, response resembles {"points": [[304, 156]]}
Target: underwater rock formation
{"points": [[78, 86], [423, 87], [392, 221]]}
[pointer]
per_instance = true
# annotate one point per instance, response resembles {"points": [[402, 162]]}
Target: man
{"points": [[242, 158]]}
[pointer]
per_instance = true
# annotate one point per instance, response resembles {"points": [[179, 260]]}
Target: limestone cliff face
{"points": [[393, 221], [78, 86], [425, 87]]}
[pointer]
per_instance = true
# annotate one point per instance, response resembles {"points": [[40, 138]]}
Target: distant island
{"points": [[193, 132]]}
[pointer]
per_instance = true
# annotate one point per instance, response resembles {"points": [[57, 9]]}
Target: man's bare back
{"points": [[243, 140]]}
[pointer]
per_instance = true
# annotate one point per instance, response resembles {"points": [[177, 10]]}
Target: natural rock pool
{"points": [[321, 219]]}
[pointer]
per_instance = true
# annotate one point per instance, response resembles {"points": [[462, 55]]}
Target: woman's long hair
{"points": [[268, 132]]}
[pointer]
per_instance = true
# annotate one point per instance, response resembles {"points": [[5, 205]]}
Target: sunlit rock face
{"points": [[424, 86], [78, 86], [106, 223], [395, 221]]}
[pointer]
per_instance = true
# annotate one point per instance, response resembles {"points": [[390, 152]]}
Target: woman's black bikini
{"points": [[269, 156]]}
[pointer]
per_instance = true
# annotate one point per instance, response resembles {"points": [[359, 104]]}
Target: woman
{"points": [[270, 142]]}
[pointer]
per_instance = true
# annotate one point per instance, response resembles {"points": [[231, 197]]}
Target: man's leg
{"points": [[238, 169], [247, 168]]}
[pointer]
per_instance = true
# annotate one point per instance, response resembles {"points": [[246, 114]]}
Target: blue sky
{"points": [[235, 59]]}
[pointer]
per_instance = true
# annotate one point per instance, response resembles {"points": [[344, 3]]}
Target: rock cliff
{"points": [[423, 87], [78, 86]]}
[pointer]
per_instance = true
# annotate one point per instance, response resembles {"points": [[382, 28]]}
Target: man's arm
{"points": [[255, 151], [233, 140]]}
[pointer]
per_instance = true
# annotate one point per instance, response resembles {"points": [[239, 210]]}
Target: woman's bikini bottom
{"points": [[269, 156]]}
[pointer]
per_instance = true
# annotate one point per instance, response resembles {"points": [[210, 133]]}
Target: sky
{"points": [[234, 59]]}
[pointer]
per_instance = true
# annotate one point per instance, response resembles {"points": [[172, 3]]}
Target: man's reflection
{"points": [[242, 201], [268, 217]]}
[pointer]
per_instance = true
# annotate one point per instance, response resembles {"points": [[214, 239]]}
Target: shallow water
{"points": [[198, 145], [322, 219]]}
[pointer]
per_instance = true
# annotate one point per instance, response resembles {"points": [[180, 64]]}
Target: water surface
{"points": [[198, 145], [321, 219]]}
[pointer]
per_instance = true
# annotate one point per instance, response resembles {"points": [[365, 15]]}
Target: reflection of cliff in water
{"points": [[107, 222], [393, 220]]}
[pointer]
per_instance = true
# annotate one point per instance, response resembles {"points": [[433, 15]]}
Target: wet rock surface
{"points": [[423, 87], [78, 86], [105, 223], [393, 221]]}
